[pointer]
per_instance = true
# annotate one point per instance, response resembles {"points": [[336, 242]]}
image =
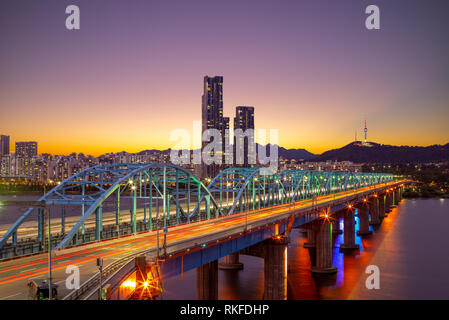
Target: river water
{"points": [[410, 248]]}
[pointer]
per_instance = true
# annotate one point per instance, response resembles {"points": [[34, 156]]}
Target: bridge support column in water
{"points": [[374, 211], [364, 220], [392, 205], [382, 206], [396, 197], [393, 200], [275, 268], [311, 234], [388, 201], [207, 281], [231, 262], [335, 219], [323, 263], [349, 230]]}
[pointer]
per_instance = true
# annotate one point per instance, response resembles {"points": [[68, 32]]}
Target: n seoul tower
{"points": [[366, 130]]}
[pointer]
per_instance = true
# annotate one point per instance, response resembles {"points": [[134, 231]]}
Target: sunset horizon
{"points": [[224, 159], [125, 84]]}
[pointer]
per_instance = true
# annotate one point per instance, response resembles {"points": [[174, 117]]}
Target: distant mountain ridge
{"points": [[381, 153], [359, 152], [297, 154]]}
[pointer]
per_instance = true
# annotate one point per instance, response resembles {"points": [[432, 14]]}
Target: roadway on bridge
{"points": [[15, 273]]}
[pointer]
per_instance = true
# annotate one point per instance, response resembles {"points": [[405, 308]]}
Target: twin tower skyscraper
{"points": [[212, 118]]}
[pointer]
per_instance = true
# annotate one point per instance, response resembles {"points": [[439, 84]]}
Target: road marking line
{"points": [[13, 295]]}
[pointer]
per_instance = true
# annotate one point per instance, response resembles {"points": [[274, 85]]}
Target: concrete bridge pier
{"points": [[382, 206], [397, 197], [311, 235], [207, 281], [349, 231], [374, 211], [335, 219], [388, 202], [274, 253], [275, 268], [323, 263], [364, 220], [393, 201], [231, 262]]}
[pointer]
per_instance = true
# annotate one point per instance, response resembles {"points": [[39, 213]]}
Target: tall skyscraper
{"points": [[4, 145], [244, 120], [226, 138], [212, 117], [26, 149]]}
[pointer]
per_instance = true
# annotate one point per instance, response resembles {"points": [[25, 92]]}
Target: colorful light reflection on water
{"points": [[410, 247]]}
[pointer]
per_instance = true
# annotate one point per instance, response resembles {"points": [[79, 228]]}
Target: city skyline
{"points": [[232, 142], [87, 91], [229, 151]]}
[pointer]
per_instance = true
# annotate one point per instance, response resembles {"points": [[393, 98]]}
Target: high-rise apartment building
{"points": [[5, 165], [212, 118], [4, 145], [26, 149], [244, 144]]}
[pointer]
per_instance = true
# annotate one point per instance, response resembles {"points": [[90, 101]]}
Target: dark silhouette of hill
{"points": [[380, 153], [299, 154], [359, 152]]}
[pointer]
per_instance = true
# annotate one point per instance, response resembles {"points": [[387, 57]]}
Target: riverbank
{"points": [[21, 193], [426, 191]]}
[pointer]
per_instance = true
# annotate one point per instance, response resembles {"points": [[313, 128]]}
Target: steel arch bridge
{"points": [[161, 195], [246, 188], [304, 184], [249, 188], [154, 188]]}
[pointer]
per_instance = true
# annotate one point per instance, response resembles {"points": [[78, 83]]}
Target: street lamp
{"points": [[100, 267], [50, 289]]}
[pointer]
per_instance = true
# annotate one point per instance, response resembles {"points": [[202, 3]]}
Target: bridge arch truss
{"points": [[145, 196]]}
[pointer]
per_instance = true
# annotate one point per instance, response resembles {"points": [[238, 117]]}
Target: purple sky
{"points": [[134, 71]]}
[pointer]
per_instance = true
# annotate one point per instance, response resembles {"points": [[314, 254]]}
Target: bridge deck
{"points": [[15, 273]]}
